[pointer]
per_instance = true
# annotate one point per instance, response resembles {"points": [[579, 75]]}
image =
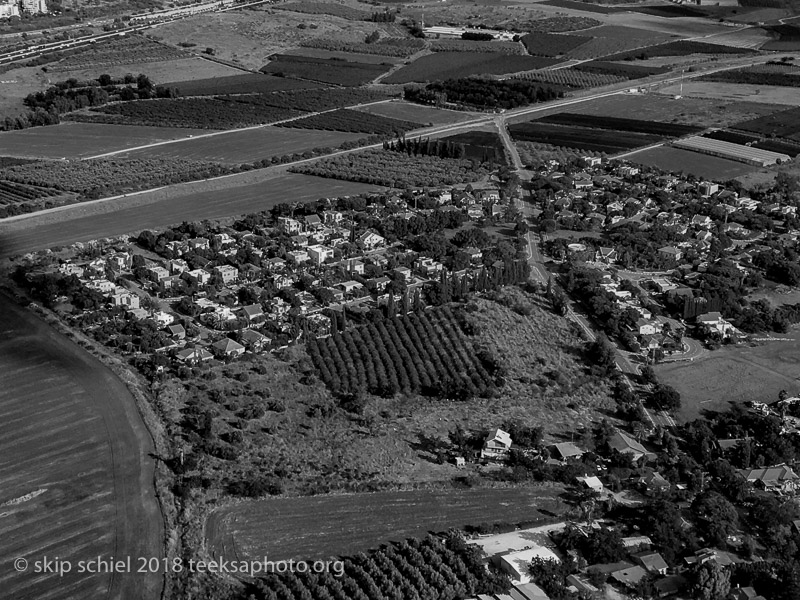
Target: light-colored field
{"points": [[417, 113], [247, 146], [738, 92], [750, 37], [18, 83], [78, 140], [182, 69], [319, 527], [734, 375], [249, 37], [76, 481], [685, 161]]}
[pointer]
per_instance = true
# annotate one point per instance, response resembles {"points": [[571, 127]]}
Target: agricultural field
{"points": [[250, 83], [335, 71], [620, 69], [778, 146], [595, 140], [352, 121], [678, 48], [408, 111], [512, 18], [535, 154], [733, 375], [550, 44], [326, 8], [246, 193], [766, 75], [17, 198], [582, 6], [452, 65], [730, 150], [394, 169], [731, 136], [762, 94], [339, 55], [118, 51], [476, 46], [77, 474], [196, 113], [675, 160], [319, 100], [323, 526], [784, 124], [788, 38], [80, 140], [620, 124], [388, 47], [480, 145], [571, 78], [613, 39], [248, 146], [425, 353]]}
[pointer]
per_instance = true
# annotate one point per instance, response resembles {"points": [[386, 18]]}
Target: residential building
{"points": [[370, 240], [227, 348], [253, 313], [289, 226], [652, 562], [227, 273], [298, 257], [497, 445], [780, 478], [625, 444], [671, 253], [319, 254]]}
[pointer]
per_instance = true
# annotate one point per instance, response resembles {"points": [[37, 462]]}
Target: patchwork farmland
{"points": [[450, 65], [676, 160], [594, 140], [76, 480]]}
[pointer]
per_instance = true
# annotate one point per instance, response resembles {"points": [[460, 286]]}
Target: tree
{"points": [[717, 516], [710, 581], [667, 397]]}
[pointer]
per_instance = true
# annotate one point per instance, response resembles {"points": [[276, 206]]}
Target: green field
{"points": [[76, 481], [676, 160], [79, 140], [406, 111], [318, 527], [734, 375], [247, 146]]}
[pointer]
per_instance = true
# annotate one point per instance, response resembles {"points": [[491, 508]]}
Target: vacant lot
{"points": [[79, 140], [158, 72], [76, 480], [327, 70], [739, 92], [375, 59], [452, 65], [734, 375], [324, 526], [406, 111], [247, 146], [684, 161]]}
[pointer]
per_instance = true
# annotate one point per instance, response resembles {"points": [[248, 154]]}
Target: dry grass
{"points": [[183, 69]]}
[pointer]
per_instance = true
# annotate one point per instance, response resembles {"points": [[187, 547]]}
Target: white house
{"points": [[319, 254], [497, 445]]}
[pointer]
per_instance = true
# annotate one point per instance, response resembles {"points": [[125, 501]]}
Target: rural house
{"points": [[227, 347], [780, 478], [497, 445]]}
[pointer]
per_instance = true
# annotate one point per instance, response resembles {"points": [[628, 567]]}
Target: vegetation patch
{"points": [[571, 78], [318, 100], [476, 46], [620, 124], [240, 84], [444, 65], [584, 6], [395, 169], [353, 121], [785, 124], [678, 48], [326, 8], [330, 70], [620, 69], [395, 47], [548, 44], [597, 140], [119, 51], [788, 76], [788, 38], [483, 93]]}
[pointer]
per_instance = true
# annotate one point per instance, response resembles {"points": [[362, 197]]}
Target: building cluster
{"points": [[15, 8]]}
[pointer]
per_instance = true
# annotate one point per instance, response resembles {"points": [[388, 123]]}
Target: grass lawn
{"points": [[734, 375]]}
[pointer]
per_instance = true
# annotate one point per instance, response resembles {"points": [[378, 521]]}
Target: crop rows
{"points": [[317, 100], [201, 113], [120, 51], [339, 72], [785, 124], [677, 48], [620, 124], [353, 121], [571, 78], [418, 353], [550, 44], [382, 48], [394, 169], [326, 8], [15, 193], [446, 65], [756, 77], [731, 136], [777, 146], [581, 138], [620, 69], [476, 46], [426, 569], [250, 83]]}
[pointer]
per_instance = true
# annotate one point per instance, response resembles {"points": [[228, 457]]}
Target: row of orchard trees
{"points": [[428, 569], [423, 352]]}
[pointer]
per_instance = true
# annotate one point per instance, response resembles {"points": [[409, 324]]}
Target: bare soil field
{"points": [[326, 526], [406, 111], [733, 375], [159, 72], [657, 107], [702, 165], [79, 140], [248, 37], [247, 146], [737, 92], [235, 195], [76, 480]]}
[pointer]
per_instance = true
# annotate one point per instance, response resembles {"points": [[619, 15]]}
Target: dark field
{"points": [[596, 140], [684, 161], [407, 111], [72, 439], [246, 146], [620, 124], [552, 44], [584, 6], [731, 136], [452, 65], [339, 72], [777, 146], [784, 124], [241, 84], [620, 69], [79, 140], [678, 48], [349, 120], [75, 225], [324, 526]]}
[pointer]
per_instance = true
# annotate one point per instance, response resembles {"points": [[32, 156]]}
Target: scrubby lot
{"points": [[352, 121], [785, 124], [394, 169], [326, 8], [334, 71], [396, 47], [130, 49]]}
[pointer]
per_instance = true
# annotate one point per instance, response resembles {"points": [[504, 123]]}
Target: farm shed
{"points": [[737, 152]]}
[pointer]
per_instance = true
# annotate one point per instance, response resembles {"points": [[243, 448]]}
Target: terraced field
{"points": [[76, 481]]}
